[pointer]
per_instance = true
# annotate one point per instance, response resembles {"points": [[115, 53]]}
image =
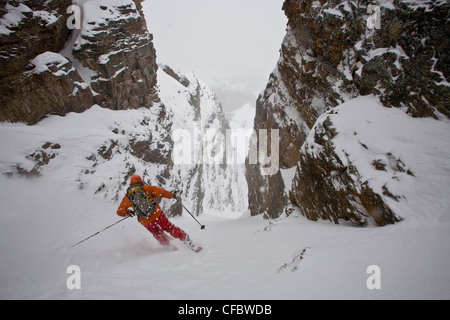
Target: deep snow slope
{"points": [[246, 258], [243, 258], [53, 197]]}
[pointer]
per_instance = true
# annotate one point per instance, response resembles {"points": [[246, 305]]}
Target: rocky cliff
{"points": [[99, 55], [331, 54], [198, 151], [117, 51], [55, 60], [98, 150]]}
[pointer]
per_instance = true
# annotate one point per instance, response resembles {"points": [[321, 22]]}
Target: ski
{"points": [[191, 245]]}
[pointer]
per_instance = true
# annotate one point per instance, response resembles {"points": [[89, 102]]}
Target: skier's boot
{"points": [[192, 245]]}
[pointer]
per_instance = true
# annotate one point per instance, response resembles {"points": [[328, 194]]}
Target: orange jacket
{"points": [[153, 192]]}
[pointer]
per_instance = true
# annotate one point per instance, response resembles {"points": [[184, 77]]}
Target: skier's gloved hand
{"points": [[131, 213], [174, 195]]}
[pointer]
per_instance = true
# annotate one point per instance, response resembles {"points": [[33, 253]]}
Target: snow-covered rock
{"points": [[100, 149], [362, 162], [108, 60], [110, 57], [208, 181], [116, 48], [332, 53]]}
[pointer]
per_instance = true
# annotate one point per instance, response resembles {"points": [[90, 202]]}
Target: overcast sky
{"points": [[225, 42]]}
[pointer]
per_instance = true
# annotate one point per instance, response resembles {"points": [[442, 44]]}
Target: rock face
{"points": [[198, 157], [329, 56], [115, 46], [47, 68], [29, 29], [329, 186], [118, 144], [108, 62]]}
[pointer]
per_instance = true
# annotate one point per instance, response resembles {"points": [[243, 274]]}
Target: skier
{"points": [[139, 201]]}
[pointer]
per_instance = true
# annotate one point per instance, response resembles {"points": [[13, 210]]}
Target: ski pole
{"points": [[101, 231], [202, 226]]}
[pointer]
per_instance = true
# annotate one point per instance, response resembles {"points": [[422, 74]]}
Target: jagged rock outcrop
{"points": [[329, 56], [118, 144], [108, 60], [199, 127], [28, 30], [116, 47], [47, 68], [328, 185]]}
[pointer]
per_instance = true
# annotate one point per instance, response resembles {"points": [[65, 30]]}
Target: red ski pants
{"points": [[162, 225]]}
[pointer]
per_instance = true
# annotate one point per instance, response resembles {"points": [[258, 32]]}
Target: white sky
{"points": [[226, 43]]}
